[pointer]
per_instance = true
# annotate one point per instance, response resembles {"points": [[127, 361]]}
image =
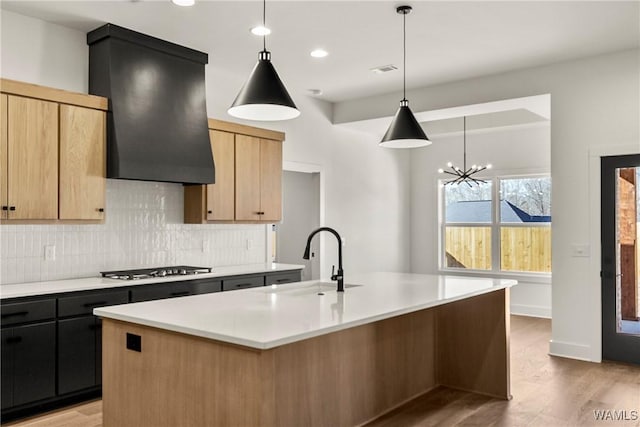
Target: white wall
{"points": [[515, 150], [595, 105], [366, 188]]}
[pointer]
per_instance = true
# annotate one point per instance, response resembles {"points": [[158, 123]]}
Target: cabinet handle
{"points": [[283, 280], [14, 340], [209, 212], [17, 313], [260, 213], [5, 208], [180, 293], [243, 285], [100, 209], [12, 208]]}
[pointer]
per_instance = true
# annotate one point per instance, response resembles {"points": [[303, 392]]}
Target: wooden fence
{"points": [[522, 248]]}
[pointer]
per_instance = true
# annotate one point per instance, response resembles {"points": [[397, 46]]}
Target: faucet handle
{"points": [[333, 272]]}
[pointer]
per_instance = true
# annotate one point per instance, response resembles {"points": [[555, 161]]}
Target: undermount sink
{"points": [[306, 289]]}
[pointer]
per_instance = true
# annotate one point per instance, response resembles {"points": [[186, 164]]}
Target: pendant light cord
{"points": [[464, 139], [404, 56], [264, 24]]}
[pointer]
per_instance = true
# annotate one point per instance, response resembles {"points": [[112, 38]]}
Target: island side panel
{"points": [[355, 375], [182, 380], [472, 344]]}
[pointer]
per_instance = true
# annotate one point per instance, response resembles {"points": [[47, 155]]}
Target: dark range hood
{"points": [[157, 121]]}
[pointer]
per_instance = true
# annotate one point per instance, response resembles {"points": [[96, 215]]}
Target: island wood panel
{"points": [[270, 180], [247, 151], [472, 344], [181, 380], [3, 157], [343, 378], [82, 163], [32, 158], [221, 195]]}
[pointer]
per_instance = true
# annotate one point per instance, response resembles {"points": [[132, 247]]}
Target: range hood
{"points": [[157, 120]]}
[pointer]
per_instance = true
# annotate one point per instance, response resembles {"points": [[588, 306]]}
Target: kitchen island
{"points": [[303, 354]]}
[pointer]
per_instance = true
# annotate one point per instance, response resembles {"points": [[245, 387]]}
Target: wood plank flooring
{"points": [[547, 392]]}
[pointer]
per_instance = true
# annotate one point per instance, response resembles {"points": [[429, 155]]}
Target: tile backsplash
{"points": [[143, 228]]}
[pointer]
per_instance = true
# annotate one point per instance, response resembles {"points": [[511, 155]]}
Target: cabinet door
{"points": [[82, 163], [34, 362], [220, 196], [76, 354], [32, 148], [247, 178], [3, 158], [270, 180], [7, 369]]}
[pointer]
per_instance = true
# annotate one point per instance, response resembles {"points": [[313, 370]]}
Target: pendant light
{"points": [[404, 130], [465, 175], [264, 97]]}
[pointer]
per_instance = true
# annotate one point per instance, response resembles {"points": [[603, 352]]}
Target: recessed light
{"points": [[184, 2], [314, 92], [384, 69], [261, 30], [319, 53]]}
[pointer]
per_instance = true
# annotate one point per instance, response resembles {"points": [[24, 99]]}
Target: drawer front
{"points": [[151, 292], [242, 283], [84, 304], [282, 278], [206, 286], [23, 312]]}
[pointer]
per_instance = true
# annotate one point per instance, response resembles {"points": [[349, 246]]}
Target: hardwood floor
{"points": [[547, 391]]}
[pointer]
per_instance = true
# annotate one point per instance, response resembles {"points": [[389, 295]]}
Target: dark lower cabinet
{"points": [[77, 354], [29, 353]]}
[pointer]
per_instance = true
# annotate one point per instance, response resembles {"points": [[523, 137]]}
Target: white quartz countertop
{"points": [[275, 315], [95, 283]]}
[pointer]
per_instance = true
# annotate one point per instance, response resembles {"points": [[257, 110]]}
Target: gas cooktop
{"points": [[149, 273]]}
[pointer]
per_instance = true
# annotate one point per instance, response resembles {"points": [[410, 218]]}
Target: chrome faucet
{"points": [[335, 277]]}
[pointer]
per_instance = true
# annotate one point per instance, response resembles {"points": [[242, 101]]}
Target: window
{"points": [[503, 225]]}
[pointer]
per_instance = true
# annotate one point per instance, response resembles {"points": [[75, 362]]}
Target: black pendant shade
{"points": [[264, 97], [404, 131]]}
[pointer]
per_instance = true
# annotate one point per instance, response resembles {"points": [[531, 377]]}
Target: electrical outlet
{"points": [[249, 244], [205, 246], [50, 253]]}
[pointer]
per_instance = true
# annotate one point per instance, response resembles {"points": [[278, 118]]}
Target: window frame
{"points": [[495, 225]]}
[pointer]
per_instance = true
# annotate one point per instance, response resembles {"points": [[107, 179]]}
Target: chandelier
{"points": [[463, 174]]}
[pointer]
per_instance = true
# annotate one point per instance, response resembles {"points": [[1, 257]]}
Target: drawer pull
{"points": [[209, 212], [12, 208], [5, 208], [17, 313], [14, 340], [100, 209], [244, 285], [95, 304], [180, 293], [284, 280]]}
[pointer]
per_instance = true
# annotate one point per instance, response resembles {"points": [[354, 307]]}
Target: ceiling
{"points": [[446, 40]]}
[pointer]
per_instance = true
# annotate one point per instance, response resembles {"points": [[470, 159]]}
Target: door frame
{"points": [[615, 346], [306, 168]]}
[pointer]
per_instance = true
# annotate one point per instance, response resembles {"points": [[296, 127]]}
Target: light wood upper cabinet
{"points": [[248, 185], [4, 204], [82, 163], [32, 158], [52, 154], [220, 195], [270, 180], [248, 172]]}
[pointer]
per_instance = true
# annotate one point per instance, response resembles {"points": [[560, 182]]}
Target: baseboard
{"points": [[531, 310], [570, 350]]}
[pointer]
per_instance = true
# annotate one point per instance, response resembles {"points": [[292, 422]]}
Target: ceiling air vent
{"points": [[384, 69]]}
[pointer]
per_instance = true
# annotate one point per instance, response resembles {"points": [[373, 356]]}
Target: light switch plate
{"points": [[50, 253]]}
